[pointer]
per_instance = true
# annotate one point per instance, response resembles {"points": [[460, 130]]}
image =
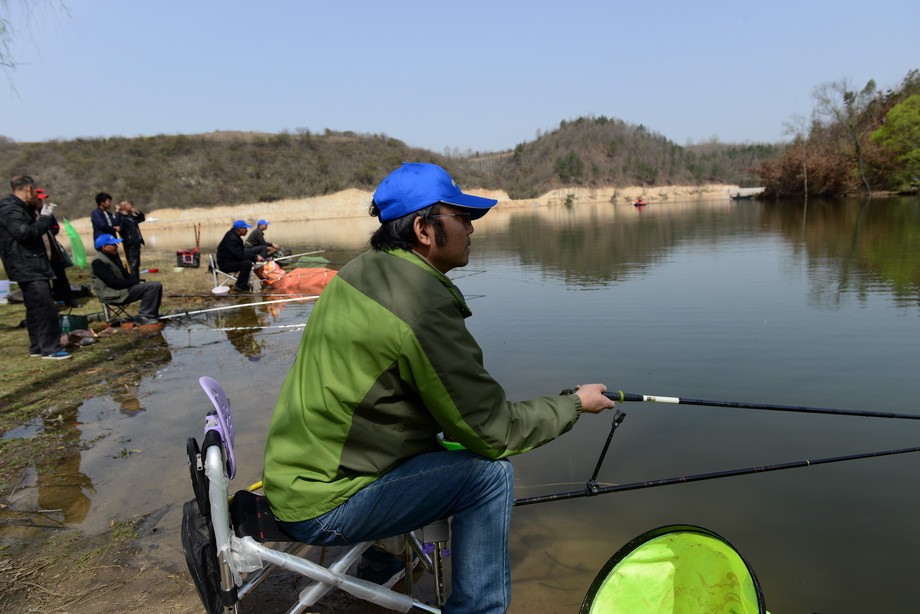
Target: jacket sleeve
{"points": [[22, 228], [445, 364]]}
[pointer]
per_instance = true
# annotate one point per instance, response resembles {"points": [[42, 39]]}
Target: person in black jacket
{"points": [[127, 219], [233, 257], [113, 284], [24, 255]]}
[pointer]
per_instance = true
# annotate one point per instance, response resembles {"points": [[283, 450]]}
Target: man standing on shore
{"points": [[22, 249], [103, 221], [127, 219]]}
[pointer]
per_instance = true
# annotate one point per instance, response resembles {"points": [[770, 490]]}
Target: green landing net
{"points": [[676, 569], [76, 244]]}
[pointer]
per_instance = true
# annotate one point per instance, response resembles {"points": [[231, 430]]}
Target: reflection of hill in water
{"points": [[603, 243], [854, 245]]}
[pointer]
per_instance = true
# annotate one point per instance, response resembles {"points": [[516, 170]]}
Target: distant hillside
{"points": [[227, 168], [600, 151]]}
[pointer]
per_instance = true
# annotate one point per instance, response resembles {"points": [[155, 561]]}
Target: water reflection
{"points": [[241, 327], [63, 490], [857, 244]]}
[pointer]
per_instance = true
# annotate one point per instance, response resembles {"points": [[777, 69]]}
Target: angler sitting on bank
{"points": [[114, 285], [233, 257], [256, 239]]}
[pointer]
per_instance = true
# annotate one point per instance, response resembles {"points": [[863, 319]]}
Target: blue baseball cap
{"points": [[105, 239], [241, 224], [416, 185], [261, 222]]}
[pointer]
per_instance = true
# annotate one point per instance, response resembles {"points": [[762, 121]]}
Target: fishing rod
{"points": [[212, 295], [318, 251], [620, 396], [189, 313], [602, 490]]}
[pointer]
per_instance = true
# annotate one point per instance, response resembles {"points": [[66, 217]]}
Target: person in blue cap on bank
{"points": [[256, 239], [232, 256], [112, 283], [386, 363]]}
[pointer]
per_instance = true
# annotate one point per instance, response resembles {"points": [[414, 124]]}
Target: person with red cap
{"points": [[24, 223], [386, 362], [60, 288]]}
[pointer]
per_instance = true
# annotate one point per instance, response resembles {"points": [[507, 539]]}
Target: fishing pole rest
{"points": [[591, 486]]}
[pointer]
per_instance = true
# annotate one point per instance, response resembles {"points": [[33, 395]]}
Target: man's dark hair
{"points": [[21, 181], [400, 234], [101, 197]]}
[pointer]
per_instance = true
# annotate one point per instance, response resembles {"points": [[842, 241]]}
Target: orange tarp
{"points": [[297, 281]]}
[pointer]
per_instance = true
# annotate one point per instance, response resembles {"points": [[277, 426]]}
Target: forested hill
{"points": [[227, 168]]}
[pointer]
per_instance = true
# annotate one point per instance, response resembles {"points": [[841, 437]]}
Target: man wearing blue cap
{"points": [[113, 284], [232, 256], [386, 363], [256, 239]]}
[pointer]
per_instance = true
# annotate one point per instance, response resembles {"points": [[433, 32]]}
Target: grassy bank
{"points": [[44, 565], [36, 390]]}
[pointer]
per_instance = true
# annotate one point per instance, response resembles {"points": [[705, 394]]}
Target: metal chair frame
{"points": [[244, 562], [220, 277]]}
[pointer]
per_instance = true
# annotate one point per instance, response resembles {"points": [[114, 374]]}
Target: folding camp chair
{"points": [[225, 538], [115, 311], [220, 278]]}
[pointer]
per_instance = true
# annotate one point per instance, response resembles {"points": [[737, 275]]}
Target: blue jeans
{"points": [[475, 491]]}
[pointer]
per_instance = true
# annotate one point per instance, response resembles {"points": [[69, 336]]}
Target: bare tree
{"points": [[13, 27], [796, 127], [848, 109]]}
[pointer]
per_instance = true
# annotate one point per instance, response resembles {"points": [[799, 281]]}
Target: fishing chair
{"points": [[115, 311], [232, 544], [220, 278]]}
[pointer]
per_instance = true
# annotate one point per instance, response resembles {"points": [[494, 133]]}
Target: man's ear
{"points": [[424, 234]]}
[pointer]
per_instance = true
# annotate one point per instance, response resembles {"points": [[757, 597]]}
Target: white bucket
{"points": [[4, 291]]}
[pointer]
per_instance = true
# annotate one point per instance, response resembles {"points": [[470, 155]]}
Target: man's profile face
{"points": [[106, 204], [111, 249], [456, 249], [242, 231], [31, 196]]}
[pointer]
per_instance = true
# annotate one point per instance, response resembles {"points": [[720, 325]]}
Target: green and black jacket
{"points": [[385, 363]]}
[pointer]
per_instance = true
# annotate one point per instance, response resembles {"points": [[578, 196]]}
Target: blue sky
{"points": [[474, 75]]}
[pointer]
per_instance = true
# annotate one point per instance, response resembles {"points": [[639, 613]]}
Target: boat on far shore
{"points": [[740, 196]]}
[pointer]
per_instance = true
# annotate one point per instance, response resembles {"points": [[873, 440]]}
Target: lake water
{"points": [[768, 303]]}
